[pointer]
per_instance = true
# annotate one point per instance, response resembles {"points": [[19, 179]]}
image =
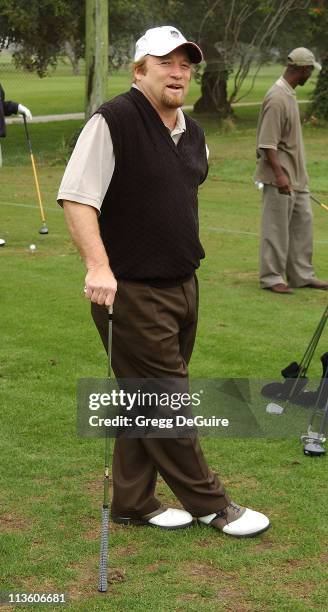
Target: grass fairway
{"points": [[51, 481], [61, 92]]}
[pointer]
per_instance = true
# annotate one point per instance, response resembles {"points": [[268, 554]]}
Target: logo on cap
{"points": [[174, 34]]}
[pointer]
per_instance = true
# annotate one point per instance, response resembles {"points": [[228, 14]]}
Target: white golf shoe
{"points": [[165, 519], [172, 519], [237, 521]]}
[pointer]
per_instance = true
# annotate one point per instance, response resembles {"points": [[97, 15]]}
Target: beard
{"points": [[172, 101]]}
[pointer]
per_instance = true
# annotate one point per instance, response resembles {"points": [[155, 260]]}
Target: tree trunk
{"points": [[72, 56], [96, 54], [214, 98]]}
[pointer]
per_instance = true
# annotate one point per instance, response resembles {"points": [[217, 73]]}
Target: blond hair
{"points": [[142, 65], [139, 65]]}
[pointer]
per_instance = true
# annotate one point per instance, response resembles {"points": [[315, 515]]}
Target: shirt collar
{"points": [[180, 125], [285, 86]]}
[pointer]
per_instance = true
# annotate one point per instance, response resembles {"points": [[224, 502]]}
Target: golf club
{"points": [[308, 355], [102, 587], [43, 229], [313, 441], [304, 365], [318, 202]]}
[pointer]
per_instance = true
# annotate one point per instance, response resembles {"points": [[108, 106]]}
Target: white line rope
{"points": [[224, 230], [221, 230], [17, 205]]}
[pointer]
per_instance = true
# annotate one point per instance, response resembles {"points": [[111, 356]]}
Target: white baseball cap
{"points": [[303, 57], [162, 40]]}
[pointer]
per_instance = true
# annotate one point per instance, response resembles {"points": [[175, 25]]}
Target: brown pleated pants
{"points": [[154, 331]]}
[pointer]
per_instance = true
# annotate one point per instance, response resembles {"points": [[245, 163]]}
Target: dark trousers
{"points": [[154, 332]]}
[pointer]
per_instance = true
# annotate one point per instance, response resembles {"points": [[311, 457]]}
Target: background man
{"points": [[139, 162], [286, 241], [7, 107]]}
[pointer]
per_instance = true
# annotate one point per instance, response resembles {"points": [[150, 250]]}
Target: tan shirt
{"points": [[279, 128]]}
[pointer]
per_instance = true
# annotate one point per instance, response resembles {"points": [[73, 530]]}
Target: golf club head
{"points": [[273, 408], [44, 230], [313, 449]]}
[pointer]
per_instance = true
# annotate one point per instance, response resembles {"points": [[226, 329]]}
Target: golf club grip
{"points": [[318, 202], [29, 144], [103, 550]]}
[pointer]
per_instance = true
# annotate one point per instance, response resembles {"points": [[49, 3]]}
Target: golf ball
{"points": [[2, 242], [32, 247]]}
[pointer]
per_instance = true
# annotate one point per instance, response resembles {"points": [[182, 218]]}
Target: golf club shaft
{"points": [[306, 360], [318, 202], [324, 383], [103, 582], [312, 346], [34, 171], [308, 355]]}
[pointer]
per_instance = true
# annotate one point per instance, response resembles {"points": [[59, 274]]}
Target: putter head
{"points": [[314, 449], [44, 230], [273, 408]]}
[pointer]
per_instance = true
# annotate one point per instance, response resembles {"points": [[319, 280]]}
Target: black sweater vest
{"points": [[149, 216]]}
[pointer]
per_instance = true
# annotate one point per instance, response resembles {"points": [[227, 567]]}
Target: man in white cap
{"points": [[8, 107], [286, 239], [130, 200]]}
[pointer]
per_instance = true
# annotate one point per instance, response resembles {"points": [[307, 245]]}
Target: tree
{"points": [[233, 35], [40, 30], [313, 24], [43, 31], [319, 20], [129, 19]]}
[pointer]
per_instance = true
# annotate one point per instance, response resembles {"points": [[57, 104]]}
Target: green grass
{"points": [[62, 92], [51, 481]]}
